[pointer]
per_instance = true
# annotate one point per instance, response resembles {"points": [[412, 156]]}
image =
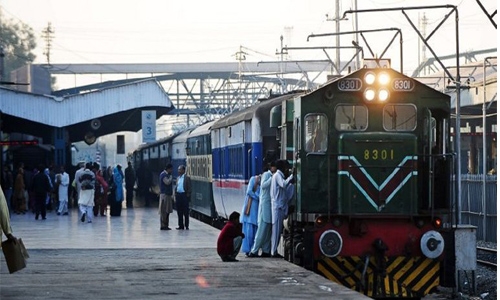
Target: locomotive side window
{"points": [[316, 133], [400, 117], [351, 117]]}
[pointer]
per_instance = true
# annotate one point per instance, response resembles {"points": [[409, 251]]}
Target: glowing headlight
{"points": [[383, 78], [369, 78], [369, 94], [383, 95], [330, 243], [432, 244]]}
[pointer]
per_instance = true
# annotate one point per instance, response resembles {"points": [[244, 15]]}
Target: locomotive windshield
{"points": [[316, 133], [400, 117], [351, 117]]}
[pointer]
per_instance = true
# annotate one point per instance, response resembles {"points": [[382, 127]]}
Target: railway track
{"points": [[487, 257]]}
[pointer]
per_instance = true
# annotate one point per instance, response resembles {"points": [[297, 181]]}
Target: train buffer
{"points": [[128, 257]]}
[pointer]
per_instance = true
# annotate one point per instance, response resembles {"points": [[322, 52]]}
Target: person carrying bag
{"points": [[13, 248]]}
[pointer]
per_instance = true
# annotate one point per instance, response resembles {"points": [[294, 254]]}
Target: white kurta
{"points": [[86, 197], [63, 186], [279, 204]]}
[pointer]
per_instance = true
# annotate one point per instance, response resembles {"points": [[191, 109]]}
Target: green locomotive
{"points": [[372, 156]]}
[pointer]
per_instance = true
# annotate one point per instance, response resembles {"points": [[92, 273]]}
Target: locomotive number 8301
{"points": [[378, 154]]}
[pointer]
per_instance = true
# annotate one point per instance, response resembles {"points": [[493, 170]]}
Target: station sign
{"points": [[148, 126]]}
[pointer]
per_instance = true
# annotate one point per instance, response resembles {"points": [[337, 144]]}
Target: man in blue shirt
{"points": [[182, 198]]}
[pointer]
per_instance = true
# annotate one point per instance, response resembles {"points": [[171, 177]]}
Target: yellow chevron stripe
{"points": [[394, 264], [403, 289], [403, 270], [428, 276], [339, 271], [325, 272]]}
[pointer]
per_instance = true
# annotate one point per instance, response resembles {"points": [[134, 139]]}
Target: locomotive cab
{"points": [[373, 164]]}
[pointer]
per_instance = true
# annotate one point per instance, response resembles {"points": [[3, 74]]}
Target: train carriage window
{"points": [[351, 117], [316, 133], [400, 117]]}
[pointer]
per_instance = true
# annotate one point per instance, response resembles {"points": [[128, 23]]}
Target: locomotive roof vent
{"points": [[374, 63]]}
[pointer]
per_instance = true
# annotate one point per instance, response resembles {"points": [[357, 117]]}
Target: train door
{"points": [[315, 167], [439, 162]]}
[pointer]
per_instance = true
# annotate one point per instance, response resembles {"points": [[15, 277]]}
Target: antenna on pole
{"points": [[47, 35], [282, 52]]}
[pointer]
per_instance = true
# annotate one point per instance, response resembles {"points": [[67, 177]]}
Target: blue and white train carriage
{"points": [[242, 143], [179, 151], [199, 168]]}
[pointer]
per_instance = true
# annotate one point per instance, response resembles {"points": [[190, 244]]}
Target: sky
{"points": [[167, 31]]}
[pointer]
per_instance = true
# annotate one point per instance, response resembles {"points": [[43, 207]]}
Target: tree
{"points": [[18, 41]]}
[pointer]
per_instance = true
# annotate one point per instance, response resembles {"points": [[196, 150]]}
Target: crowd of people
{"points": [[256, 231], [91, 189], [259, 227]]}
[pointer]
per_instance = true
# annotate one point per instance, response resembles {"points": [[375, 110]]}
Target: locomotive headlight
{"points": [[383, 95], [369, 78], [432, 244], [383, 78], [369, 94], [330, 243]]}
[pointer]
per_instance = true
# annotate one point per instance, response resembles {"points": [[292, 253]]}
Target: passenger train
{"points": [[372, 159]]}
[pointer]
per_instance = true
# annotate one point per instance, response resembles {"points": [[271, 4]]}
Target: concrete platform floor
{"points": [[128, 257]]}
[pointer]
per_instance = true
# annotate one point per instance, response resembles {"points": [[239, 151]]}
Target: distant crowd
{"points": [[91, 189]]}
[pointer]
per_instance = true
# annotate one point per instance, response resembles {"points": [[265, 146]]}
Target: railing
{"points": [[474, 211]]}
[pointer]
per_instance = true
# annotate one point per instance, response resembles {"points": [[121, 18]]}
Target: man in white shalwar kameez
{"points": [[86, 198], [264, 221], [279, 204], [62, 180]]}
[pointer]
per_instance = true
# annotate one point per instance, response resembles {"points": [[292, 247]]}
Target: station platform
{"points": [[129, 257]]}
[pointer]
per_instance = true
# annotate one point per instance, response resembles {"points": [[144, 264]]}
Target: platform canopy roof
{"points": [[98, 112]]}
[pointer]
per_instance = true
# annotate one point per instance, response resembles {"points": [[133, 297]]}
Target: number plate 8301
{"points": [[403, 85]]}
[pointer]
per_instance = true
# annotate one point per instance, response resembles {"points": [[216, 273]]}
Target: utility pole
{"points": [[240, 57], [337, 30], [356, 35], [281, 53], [423, 28], [47, 35]]}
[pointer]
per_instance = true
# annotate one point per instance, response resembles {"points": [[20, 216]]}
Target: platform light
{"points": [[370, 78], [383, 78], [369, 94], [383, 95]]}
